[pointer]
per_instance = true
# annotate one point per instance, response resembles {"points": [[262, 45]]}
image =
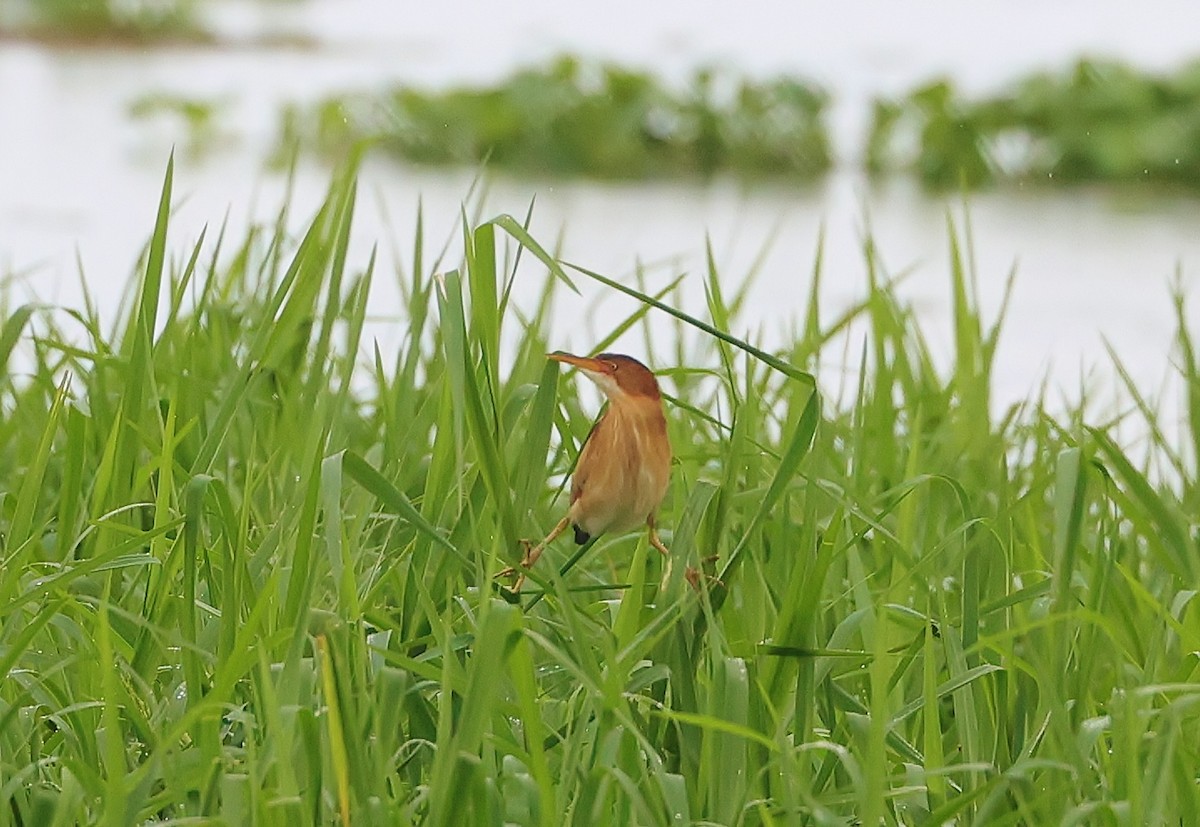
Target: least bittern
{"points": [[623, 469]]}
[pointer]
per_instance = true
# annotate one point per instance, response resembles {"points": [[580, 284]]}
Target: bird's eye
{"points": [[612, 366]]}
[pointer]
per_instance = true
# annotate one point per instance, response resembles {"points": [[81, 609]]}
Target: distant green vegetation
{"points": [[1098, 121], [247, 562], [202, 122], [132, 21], [583, 118]]}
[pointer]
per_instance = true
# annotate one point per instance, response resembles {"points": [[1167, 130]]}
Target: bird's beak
{"points": [[597, 370], [586, 363]]}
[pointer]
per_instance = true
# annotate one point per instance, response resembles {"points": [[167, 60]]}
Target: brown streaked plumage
{"points": [[623, 470]]}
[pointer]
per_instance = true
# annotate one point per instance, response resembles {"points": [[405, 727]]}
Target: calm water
{"points": [[79, 178]]}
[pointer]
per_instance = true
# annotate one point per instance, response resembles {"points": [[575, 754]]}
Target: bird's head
{"points": [[619, 377]]}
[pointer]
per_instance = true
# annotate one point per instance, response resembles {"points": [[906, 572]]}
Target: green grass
{"points": [[247, 560]]}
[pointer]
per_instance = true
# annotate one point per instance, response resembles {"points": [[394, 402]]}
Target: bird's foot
{"points": [[532, 553], [696, 576]]}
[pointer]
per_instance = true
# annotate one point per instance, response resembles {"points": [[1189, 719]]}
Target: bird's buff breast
{"points": [[622, 475]]}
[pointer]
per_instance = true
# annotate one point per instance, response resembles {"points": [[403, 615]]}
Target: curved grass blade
{"points": [[362, 472]]}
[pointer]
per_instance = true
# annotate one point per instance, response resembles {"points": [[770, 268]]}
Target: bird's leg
{"points": [[654, 540], [690, 574], [532, 552]]}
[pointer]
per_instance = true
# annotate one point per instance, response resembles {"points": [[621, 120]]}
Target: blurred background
{"points": [[1066, 135]]}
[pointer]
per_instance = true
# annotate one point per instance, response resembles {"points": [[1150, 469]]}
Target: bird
{"points": [[624, 466]]}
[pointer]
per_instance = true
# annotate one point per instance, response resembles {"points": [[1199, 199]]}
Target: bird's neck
{"points": [[640, 408]]}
